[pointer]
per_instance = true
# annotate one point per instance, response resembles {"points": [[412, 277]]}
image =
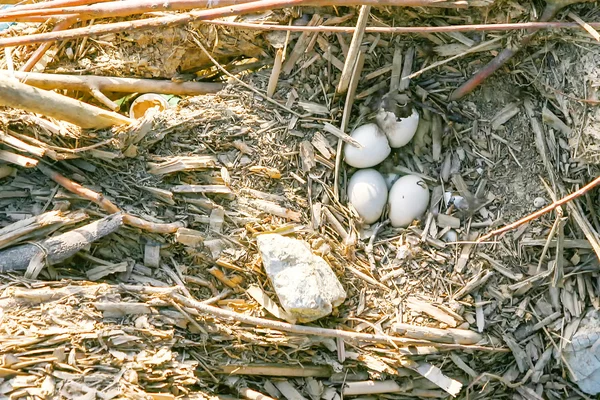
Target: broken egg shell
{"points": [[408, 199], [368, 193], [398, 131], [143, 103], [375, 147]]}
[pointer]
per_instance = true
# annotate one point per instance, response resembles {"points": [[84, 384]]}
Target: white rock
{"points": [[367, 192], [583, 354], [375, 147], [408, 200], [305, 284]]}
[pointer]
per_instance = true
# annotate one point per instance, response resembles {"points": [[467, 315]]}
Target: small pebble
{"points": [[539, 202]]}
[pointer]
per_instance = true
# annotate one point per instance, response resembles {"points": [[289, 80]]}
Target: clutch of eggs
{"points": [[408, 196]]}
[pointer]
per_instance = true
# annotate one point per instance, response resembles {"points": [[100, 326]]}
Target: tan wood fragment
{"points": [[25, 97]]}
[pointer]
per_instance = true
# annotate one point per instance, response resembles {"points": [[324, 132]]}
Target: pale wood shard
{"points": [[17, 159], [435, 375], [189, 237], [521, 357], [473, 284], [87, 83], [25, 97], [288, 390], [152, 255], [96, 273], [505, 115], [426, 307], [183, 163], [285, 370], [461, 336], [201, 189], [122, 309], [501, 268], [327, 127], [465, 254], [12, 141], [373, 387], [448, 221], [265, 301], [272, 208]]}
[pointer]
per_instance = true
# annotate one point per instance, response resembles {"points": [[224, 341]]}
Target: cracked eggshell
{"points": [[375, 147], [398, 131], [408, 200], [368, 193]]}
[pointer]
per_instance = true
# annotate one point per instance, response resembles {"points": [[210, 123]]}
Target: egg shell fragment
{"points": [[408, 199], [375, 147], [399, 132], [367, 192]]}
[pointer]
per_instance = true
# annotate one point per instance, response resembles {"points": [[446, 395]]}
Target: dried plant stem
{"points": [[543, 211], [404, 29], [51, 4], [310, 330], [180, 19], [349, 65], [88, 83], [19, 95], [106, 204], [122, 9]]}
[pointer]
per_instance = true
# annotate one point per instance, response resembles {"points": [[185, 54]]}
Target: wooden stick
{"points": [[450, 335], [310, 330], [122, 9], [113, 84], [404, 29], [106, 204], [58, 248], [353, 51], [50, 4], [180, 19], [543, 211], [19, 95]]}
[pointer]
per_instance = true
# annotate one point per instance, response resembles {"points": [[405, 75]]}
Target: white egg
{"points": [[375, 147], [398, 131], [450, 236], [408, 200], [390, 179], [367, 192]]}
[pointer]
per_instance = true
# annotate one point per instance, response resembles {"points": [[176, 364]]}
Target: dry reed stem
{"points": [[251, 7]]}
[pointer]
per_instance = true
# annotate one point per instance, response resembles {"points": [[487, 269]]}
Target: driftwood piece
{"points": [[19, 95], [58, 248], [91, 83], [461, 336]]}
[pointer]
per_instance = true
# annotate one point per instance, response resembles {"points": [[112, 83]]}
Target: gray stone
{"points": [[305, 284], [583, 354]]}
